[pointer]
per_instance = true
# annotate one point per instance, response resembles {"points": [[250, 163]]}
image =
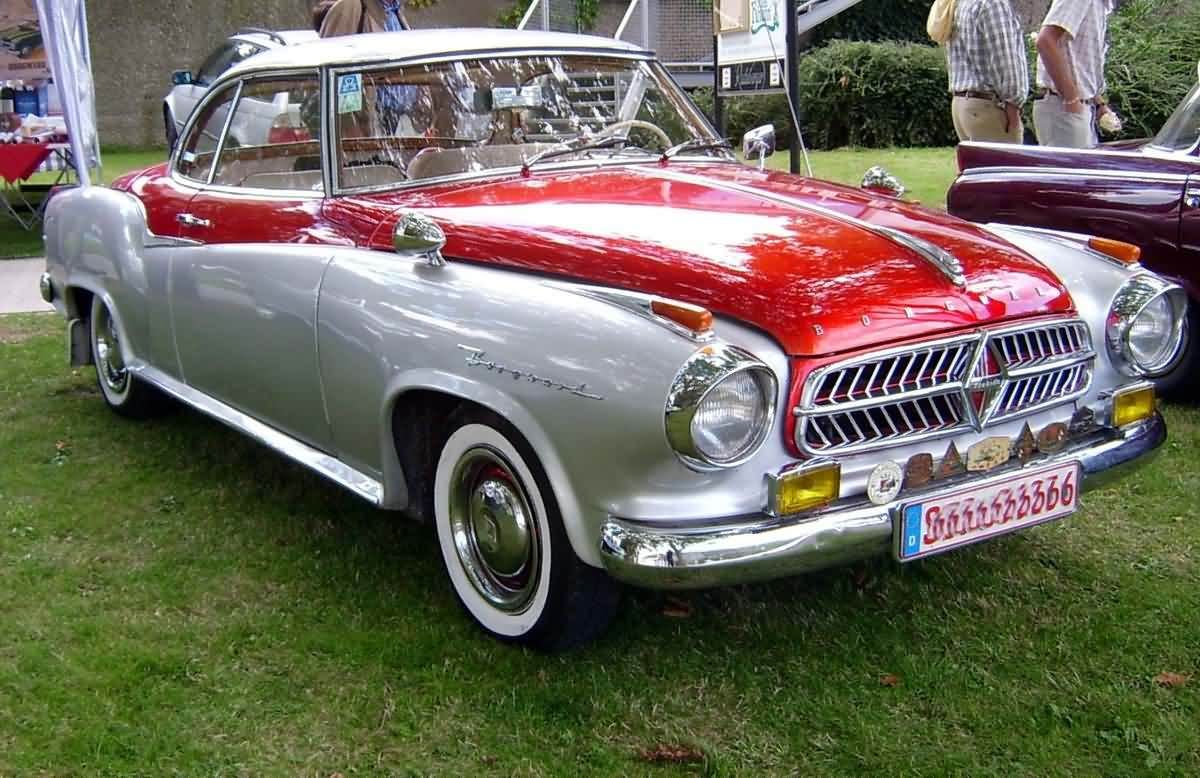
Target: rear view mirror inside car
{"points": [[512, 97]]}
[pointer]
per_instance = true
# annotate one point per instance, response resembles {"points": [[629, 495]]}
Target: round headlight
{"points": [[1146, 326], [1150, 334], [721, 407]]}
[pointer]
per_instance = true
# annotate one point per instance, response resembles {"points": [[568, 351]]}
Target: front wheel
{"points": [[124, 392], [504, 545]]}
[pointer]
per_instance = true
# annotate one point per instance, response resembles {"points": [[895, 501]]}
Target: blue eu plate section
{"points": [[912, 530]]}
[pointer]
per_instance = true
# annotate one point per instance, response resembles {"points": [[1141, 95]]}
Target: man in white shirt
{"points": [[1070, 73]]}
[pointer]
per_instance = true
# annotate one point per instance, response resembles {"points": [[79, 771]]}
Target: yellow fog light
{"points": [[803, 488], [1133, 405]]}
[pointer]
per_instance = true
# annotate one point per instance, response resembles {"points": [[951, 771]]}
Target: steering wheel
{"points": [[616, 127]]}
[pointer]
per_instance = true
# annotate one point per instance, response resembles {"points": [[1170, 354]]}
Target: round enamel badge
{"points": [[883, 485]]}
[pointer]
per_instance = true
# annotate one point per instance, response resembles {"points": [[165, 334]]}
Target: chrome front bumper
{"points": [[759, 547]]}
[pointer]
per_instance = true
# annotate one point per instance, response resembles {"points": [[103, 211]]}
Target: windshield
{"points": [[472, 116], [1182, 130]]}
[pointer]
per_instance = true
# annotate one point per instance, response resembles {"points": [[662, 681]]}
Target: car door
{"points": [[244, 287], [1189, 233]]}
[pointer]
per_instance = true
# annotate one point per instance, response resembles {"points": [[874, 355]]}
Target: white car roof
{"points": [[412, 44], [291, 37]]}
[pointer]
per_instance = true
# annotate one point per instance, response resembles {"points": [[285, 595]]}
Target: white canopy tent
{"points": [[65, 37]]}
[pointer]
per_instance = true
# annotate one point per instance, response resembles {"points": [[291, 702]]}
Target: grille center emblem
{"points": [[983, 388]]}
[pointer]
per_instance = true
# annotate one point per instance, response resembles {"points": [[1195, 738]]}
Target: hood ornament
{"points": [[937, 256], [879, 180]]}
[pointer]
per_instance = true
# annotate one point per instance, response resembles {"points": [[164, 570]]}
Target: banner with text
{"points": [[22, 55], [751, 45]]}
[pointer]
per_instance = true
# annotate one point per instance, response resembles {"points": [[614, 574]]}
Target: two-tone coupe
{"points": [[523, 290], [1146, 193]]}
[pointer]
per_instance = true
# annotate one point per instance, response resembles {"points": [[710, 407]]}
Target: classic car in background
{"points": [[188, 87], [1145, 192], [559, 320]]}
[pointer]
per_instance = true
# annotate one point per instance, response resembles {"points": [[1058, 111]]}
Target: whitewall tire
{"points": [[503, 543], [124, 392]]}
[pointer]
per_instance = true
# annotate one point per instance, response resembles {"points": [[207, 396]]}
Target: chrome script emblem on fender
{"points": [[475, 358]]}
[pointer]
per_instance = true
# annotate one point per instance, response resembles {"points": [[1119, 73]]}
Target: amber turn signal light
{"points": [[1133, 405], [804, 489], [1117, 249], [688, 316]]}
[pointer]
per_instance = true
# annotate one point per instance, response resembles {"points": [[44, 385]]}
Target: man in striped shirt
{"points": [[989, 72]]}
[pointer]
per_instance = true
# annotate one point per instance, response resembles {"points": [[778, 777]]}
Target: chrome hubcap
{"points": [[109, 362], [494, 529]]}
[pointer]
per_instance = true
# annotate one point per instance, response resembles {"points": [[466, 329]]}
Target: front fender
{"points": [[583, 380]]}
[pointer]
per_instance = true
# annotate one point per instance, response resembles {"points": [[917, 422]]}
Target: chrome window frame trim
{"points": [[959, 391], [208, 185]]}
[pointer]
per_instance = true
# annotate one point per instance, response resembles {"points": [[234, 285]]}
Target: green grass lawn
{"points": [[17, 242], [176, 599], [927, 173]]}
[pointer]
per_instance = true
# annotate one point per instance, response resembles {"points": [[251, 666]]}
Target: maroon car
{"points": [[1142, 192]]}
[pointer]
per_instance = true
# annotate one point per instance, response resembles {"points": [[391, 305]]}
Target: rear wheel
{"points": [[1182, 382], [504, 545], [124, 392]]}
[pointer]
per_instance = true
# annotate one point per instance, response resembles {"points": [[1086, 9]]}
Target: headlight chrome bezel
{"points": [[1130, 302], [701, 373]]}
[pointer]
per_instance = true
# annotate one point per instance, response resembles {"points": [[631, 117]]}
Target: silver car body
{"points": [[316, 351]]}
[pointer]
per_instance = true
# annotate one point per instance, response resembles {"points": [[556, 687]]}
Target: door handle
{"points": [[1191, 198], [188, 220]]}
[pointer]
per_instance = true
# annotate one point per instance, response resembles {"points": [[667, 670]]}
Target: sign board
{"points": [[751, 45], [22, 53]]}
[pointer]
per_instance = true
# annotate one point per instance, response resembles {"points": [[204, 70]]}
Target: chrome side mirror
{"points": [[417, 236], [879, 180], [759, 144]]}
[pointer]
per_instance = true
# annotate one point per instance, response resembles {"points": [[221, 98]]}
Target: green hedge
{"points": [[878, 20], [875, 94]]}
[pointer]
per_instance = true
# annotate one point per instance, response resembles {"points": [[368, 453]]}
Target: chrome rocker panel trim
{"points": [[758, 547], [332, 468]]}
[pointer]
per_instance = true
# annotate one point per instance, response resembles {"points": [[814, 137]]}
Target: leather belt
{"points": [[1043, 93], [973, 95]]}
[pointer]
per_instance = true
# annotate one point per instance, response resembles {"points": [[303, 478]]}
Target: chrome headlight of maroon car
{"points": [[720, 408], [1146, 326]]}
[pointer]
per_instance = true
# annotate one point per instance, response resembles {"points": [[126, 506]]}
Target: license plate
{"points": [[976, 513]]}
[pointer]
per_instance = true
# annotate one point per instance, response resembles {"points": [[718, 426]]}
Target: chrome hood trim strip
{"points": [[945, 262]]}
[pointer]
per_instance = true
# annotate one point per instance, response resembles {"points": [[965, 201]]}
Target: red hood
{"points": [[740, 243]]}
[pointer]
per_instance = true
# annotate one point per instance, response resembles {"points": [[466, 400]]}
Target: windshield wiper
{"points": [[569, 148], [696, 144]]}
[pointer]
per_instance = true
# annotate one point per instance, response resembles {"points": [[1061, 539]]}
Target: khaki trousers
{"points": [[1056, 126], [983, 120]]}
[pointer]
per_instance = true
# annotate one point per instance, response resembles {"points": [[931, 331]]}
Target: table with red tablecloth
{"points": [[19, 161]]}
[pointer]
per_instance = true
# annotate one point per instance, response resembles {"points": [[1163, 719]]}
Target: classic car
{"points": [[562, 322], [1142, 192], [188, 87]]}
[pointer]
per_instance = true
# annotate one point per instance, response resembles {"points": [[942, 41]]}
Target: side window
{"points": [[274, 137], [200, 146]]}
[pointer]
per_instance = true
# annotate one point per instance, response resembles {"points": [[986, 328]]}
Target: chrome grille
{"points": [[943, 387]]}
